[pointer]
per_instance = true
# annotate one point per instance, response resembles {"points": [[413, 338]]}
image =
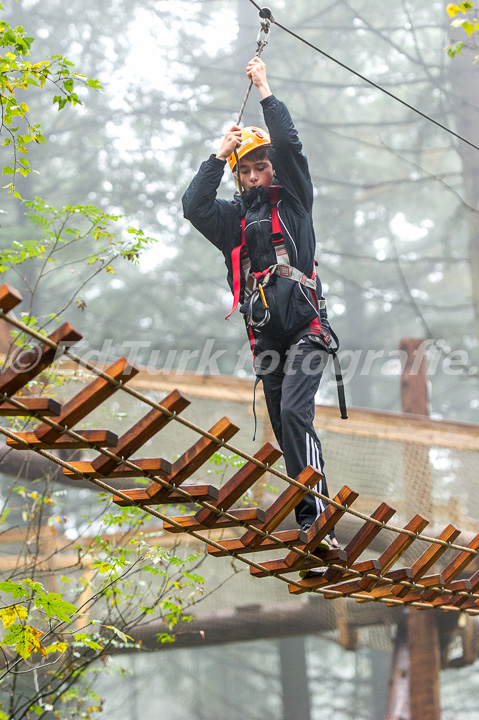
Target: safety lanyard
{"points": [[266, 18]]}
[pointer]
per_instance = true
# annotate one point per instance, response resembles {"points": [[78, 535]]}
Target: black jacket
{"points": [[219, 220]]}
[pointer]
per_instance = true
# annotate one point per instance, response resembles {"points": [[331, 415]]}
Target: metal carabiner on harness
{"points": [[257, 293]]}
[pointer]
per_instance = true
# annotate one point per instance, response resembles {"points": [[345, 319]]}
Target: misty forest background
{"points": [[398, 246], [395, 219]]}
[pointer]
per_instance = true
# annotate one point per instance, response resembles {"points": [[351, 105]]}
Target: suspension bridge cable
{"points": [[415, 586], [219, 441], [369, 81]]}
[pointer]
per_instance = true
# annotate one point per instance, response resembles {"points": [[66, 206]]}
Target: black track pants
{"points": [[290, 381]]}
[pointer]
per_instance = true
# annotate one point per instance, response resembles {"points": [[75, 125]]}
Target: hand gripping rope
{"points": [[266, 18]]}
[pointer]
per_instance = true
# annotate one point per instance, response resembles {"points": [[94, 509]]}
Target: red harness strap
{"points": [[278, 244], [236, 263]]}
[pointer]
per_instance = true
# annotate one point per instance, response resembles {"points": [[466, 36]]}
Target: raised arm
{"points": [[289, 162], [214, 218]]}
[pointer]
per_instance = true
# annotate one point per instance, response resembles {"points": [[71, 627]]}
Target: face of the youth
{"points": [[255, 172]]}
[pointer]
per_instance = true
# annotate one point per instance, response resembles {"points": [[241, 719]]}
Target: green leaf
{"points": [[7, 170], [95, 84], [455, 48], [14, 589], [165, 638], [54, 606], [56, 647], [85, 639]]}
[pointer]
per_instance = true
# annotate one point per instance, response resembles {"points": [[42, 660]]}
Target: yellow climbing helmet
{"points": [[251, 138]]}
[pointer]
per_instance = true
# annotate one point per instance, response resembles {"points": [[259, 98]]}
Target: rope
{"points": [[370, 82], [228, 446], [262, 41], [165, 518]]}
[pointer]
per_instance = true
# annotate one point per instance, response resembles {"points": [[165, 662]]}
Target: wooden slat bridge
{"points": [[344, 572]]}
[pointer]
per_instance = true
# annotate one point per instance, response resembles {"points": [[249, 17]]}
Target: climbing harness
{"points": [[255, 282], [266, 18]]}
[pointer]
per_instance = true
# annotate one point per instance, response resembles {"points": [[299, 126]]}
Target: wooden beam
{"points": [[193, 459], [253, 516], [9, 297], [198, 492], [241, 481], [91, 439], [87, 400], [141, 432], [422, 629], [27, 364], [234, 545], [155, 466], [41, 405]]}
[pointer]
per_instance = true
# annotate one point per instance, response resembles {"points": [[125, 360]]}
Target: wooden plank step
{"points": [[388, 558], [464, 602], [320, 528], [445, 598], [146, 428], [27, 364], [232, 490], [197, 492], [283, 505], [454, 569], [234, 545], [156, 466], [323, 525], [319, 559], [448, 575], [9, 297], [87, 400], [42, 405], [352, 586], [432, 553], [253, 516], [430, 556], [91, 438], [237, 485], [365, 535], [193, 459]]}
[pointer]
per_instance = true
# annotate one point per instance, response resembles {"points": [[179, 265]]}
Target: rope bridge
{"points": [[345, 573]]}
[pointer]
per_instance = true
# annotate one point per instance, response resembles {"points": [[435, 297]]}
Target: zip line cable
{"points": [[366, 79], [266, 13]]}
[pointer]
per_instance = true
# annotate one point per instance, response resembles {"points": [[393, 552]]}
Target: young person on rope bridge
{"points": [[267, 238]]}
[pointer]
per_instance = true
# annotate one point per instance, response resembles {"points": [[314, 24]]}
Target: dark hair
{"points": [[259, 153]]}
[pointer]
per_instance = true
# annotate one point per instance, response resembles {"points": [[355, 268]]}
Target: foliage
{"points": [[18, 76], [469, 24], [112, 582], [78, 240], [49, 629]]}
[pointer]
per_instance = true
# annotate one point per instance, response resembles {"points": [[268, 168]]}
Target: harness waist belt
{"points": [[284, 271]]}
